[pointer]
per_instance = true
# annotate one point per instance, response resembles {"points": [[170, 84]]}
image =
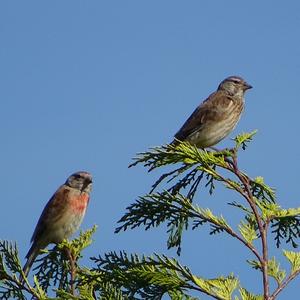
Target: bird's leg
{"points": [[72, 269]]}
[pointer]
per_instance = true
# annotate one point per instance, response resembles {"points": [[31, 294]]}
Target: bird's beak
{"points": [[85, 184], [247, 86]]}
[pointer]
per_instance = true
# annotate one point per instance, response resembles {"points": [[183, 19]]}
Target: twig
{"points": [[72, 271], [22, 285], [283, 285], [261, 227]]}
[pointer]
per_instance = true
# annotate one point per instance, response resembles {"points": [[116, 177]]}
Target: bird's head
{"points": [[81, 181], [234, 85]]}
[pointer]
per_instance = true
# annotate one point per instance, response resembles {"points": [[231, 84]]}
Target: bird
{"points": [[216, 116], [61, 216]]}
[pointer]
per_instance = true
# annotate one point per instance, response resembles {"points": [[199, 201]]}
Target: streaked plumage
{"points": [[217, 116]]}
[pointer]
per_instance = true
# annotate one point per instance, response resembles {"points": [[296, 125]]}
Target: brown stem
{"points": [[204, 292], [248, 245], [22, 285], [261, 226], [233, 233], [72, 271], [283, 285]]}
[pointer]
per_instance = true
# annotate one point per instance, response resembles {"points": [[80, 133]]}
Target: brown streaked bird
{"points": [[62, 215], [217, 116]]}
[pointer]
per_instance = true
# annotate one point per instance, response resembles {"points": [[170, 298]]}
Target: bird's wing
{"points": [[210, 109], [52, 211]]}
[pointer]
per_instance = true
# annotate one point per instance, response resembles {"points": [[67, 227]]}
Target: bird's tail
{"points": [[31, 255]]}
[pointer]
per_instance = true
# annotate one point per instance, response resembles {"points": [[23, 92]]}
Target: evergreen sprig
{"points": [[243, 139], [174, 205], [246, 295], [155, 276], [11, 287], [56, 267], [123, 276], [286, 228], [176, 210], [194, 166]]}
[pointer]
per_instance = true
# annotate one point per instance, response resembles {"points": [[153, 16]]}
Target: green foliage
{"points": [[194, 166], [155, 276], [174, 205], [220, 288], [9, 261], [262, 191], [154, 209], [275, 271], [11, 286], [171, 202], [175, 209], [294, 260], [248, 230], [54, 270], [79, 243], [245, 295], [288, 228], [242, 140]]}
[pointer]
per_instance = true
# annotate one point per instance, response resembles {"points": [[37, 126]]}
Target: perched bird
{"points": [[62, 215], [217, 116]]}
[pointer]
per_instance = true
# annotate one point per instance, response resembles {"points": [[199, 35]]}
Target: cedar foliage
{"points": [[120, 276]]}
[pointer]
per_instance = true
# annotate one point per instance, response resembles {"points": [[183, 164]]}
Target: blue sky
{"points": [[85, 85]]}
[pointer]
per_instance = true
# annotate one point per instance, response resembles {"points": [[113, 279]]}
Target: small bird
{"points": [[217, 116], [62, 215]]}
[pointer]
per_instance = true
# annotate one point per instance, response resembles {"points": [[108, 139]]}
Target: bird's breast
{"points": [[79, 202]]}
